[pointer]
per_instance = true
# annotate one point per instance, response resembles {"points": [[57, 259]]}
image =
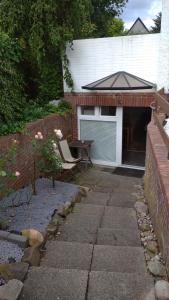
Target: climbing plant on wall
{"points": [[43, 27], [11, 83]]}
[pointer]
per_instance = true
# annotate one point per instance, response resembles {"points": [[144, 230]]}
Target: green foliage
{"points": [[32, 112], [116, 27], [43, 27], [157, 24], [11, 83], [103, 13]]}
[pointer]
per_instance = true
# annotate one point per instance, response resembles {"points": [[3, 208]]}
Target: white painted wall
{"points": [[93, 59], [164, 48]]}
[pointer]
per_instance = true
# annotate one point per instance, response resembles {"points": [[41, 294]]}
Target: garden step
{"points": [[118, 237], [72, 233], [68, 255], [89, 222], [119, 218], [88, 209], [118, 259], [119, 286], [121, 199], [49, 283], [96, 198]]}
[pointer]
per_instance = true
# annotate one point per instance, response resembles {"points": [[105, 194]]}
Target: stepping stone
{"points": [[108, 285], [48, 283], [121, 200], [88, 222], [67, 255], [70, 233], [118, 259], [118, 237], [88, 209], [96, 198], [103, 189], [119, 218]]}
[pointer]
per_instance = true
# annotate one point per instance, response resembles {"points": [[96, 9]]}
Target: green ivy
{"points": [[12, 98]]}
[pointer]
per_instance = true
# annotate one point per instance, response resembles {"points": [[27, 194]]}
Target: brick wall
{"points": [[24, 162], [107, 99], [157, 187]]}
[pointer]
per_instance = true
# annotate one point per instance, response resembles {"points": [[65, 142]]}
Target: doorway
{"points": [[135, 121]]}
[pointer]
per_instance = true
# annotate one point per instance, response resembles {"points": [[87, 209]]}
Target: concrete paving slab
{"points": [[96, 177], [89, 222], [118, 259], [96, 198], [70, 233], [68, 255], [122, 199], [48, 283], [118, 286], [119, 218], [118, 237], [88, 209]]}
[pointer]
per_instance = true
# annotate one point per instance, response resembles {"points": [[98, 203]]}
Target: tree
{"points": [[157, 23], [103, 13], [43, 27], [11, 82], [116, 27]]}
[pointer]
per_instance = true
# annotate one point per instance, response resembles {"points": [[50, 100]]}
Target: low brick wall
{"points": [[157, 187], [24, 161]]}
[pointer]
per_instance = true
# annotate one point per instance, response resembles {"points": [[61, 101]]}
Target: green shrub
{"points": [[32, 112], [11, 84]]}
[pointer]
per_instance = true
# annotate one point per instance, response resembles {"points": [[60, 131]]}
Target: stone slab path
{"points": [[97, 254]]}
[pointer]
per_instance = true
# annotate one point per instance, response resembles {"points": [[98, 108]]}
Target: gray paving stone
{"points": [[4, 234], [67, 255], [18, 239], [96, 198], [118, 237], [89, 222], [118, 286], [48, 283], [121, 199], [70, 233], [119, 218], [118, 259], [88, 209]]}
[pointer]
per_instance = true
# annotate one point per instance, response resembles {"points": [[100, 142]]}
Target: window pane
{"points": [[87, 110], [102, 133], [108, 110]]}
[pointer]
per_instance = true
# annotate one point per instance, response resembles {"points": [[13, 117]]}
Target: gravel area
{"points": [[10, 252], [36, 211]]}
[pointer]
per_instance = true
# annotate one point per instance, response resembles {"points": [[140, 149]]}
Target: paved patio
{"points": [[97, 254]]}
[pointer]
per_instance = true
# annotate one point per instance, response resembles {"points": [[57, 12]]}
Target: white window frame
{"points": [[98, 117]]}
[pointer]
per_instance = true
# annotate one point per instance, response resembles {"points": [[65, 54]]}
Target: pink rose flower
{"points": [[17, 174]]}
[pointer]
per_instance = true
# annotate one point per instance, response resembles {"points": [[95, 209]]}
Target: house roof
{"points": [[120, 81], [138, 28]]}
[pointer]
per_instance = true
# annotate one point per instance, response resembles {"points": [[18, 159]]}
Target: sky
{"points": [[145, 9]]}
